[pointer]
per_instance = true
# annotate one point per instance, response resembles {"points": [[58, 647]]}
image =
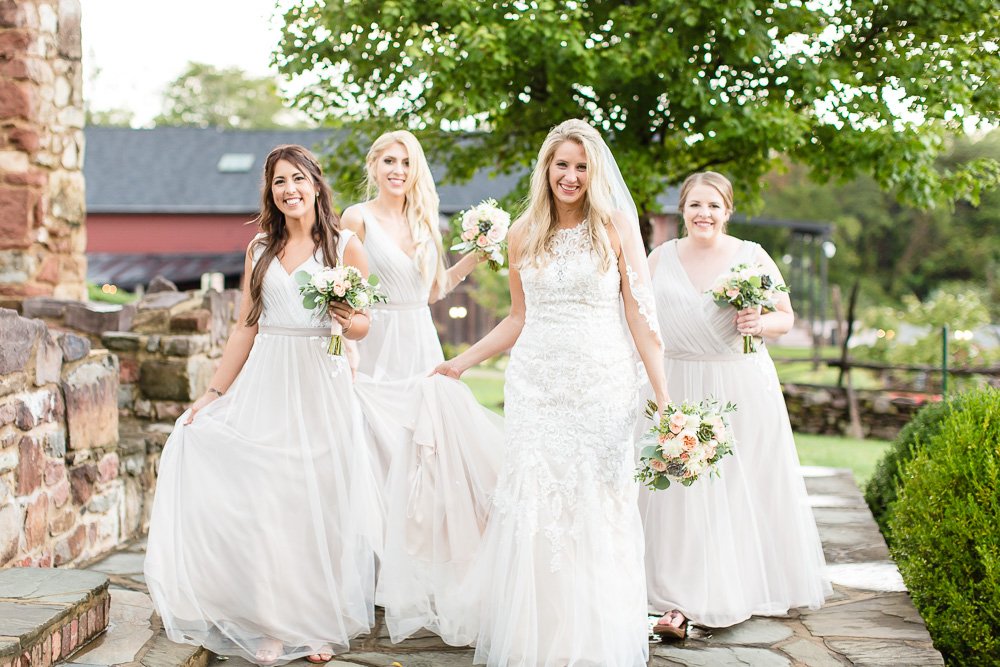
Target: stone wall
{"points": [[42, 205], [60, 486], [824, 410], [88, 396]]}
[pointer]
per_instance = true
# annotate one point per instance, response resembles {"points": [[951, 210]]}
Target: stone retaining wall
{"points": [[824, 410], [60, 488], [88, 394]]}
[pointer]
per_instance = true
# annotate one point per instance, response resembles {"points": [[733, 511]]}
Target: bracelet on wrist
{"points": [[213, 390]]}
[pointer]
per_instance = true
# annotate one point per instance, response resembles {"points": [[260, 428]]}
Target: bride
{"points": [[560, 573]]}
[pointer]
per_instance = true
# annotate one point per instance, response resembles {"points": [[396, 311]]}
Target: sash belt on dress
{"points": [[293, 331], [695, 356], [413, 305]]}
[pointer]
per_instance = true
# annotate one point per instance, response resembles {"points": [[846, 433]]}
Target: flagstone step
{"points": [[47, 614], [870, 620], [135, 638]]}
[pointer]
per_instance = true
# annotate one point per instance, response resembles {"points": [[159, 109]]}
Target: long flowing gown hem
{"points": [[436, 451], [266, 510], [744, 543]]}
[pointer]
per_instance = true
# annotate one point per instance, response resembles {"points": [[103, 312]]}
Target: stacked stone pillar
{"points": [[42, 205]]}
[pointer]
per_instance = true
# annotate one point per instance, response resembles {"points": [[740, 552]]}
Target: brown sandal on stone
{"points": [[667, 629]]}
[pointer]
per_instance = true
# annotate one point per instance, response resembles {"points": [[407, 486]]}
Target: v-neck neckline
{"points": [[295, 269], [687, 277], [389, 238]]}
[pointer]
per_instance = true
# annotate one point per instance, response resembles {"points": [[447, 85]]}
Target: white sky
{"points": [[133, 48]]}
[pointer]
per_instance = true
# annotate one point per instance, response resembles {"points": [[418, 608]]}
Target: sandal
{"points": [[668, 628], [319, 658]]}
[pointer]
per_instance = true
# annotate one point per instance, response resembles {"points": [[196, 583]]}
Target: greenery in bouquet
{"points": [[747, 286]]}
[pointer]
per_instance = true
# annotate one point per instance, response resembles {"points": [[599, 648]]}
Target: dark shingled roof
{"points": [[176, 170]]}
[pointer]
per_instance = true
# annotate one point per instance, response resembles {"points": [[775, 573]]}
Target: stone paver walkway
{"points": [[869, 621]]}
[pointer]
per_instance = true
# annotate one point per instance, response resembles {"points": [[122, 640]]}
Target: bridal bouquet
{"points": [[484, 229], [688, 441], [747, 286], [339, 283]]}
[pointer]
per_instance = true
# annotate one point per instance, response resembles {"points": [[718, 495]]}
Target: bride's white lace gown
{"points": [[259, 535], [435, 448], [561, 568], [744, 543]]}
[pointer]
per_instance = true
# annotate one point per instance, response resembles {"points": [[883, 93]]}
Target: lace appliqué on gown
{"points": [[570, 400]]}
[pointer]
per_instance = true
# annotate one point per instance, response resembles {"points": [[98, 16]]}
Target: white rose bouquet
{"points": [[686, 442], [483, 228], [339, 283], [747, 286]]}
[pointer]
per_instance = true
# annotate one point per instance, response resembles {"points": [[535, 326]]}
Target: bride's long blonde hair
{"points": [[420, 204], [539, 216]]}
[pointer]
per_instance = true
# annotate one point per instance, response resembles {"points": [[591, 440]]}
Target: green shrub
{"points": [[882, 488], [945, 525]]}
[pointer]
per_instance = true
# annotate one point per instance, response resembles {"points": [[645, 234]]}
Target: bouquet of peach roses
{"points": [[339, 283], [688, 441], [483, 228]]}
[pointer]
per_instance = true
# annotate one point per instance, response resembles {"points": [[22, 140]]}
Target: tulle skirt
{"points": [[586, 612], [266, 515], [560, 579], [437, 502]]}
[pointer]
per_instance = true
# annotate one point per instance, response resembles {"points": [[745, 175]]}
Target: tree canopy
{"points": [[898, 250], [862, 87], [206, 96]]}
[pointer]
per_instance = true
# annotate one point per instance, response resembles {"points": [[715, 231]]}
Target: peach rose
{"points": [[688, 440], [677, 421], [657, 465]]}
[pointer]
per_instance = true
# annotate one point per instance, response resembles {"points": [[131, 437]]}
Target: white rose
{"points": [[692, 423], [361, 299], [696, 467], [672, 448], [322, 279]]}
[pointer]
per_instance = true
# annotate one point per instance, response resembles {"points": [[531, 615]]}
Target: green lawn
{"points": [[487, 385], [814, 450], [825, 450]]}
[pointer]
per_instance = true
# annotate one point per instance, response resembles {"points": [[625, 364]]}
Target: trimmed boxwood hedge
{"points": [[945, 526], [883, 486]]}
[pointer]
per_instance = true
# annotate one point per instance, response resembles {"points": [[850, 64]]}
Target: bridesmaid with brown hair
{"points": [[262, 531]]}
